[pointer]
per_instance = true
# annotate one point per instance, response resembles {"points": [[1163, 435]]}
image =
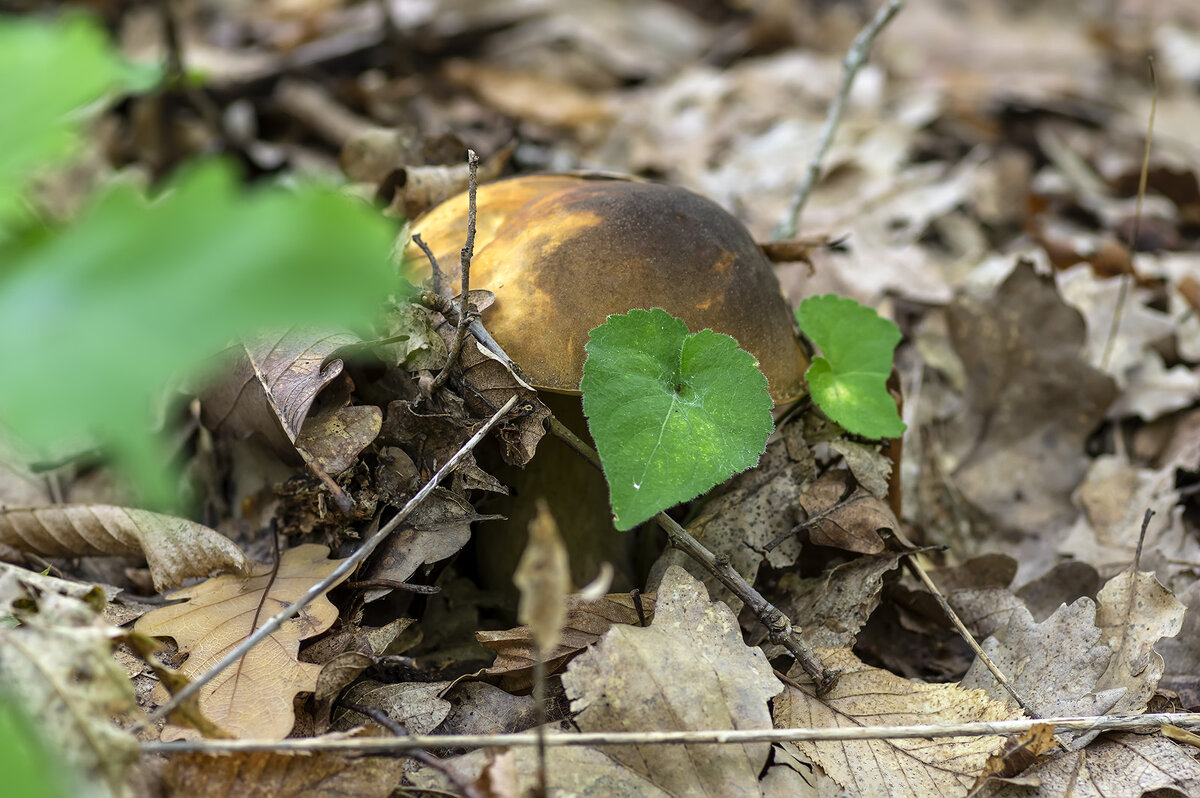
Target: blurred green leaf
{"points": [[94, 318], [850, 382], [47, 71], [30, 769], [672, 413]]}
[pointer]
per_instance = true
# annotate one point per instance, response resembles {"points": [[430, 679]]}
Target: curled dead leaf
{"points": [[175, 548]]}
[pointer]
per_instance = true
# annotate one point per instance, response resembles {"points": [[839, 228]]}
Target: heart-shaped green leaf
{"points": [[850, 382], [672, 413]]}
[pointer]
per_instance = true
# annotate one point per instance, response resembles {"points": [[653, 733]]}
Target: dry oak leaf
{"points": [[689, 669], [587, 621], [175, 548], [893, 768], [252, 698]]}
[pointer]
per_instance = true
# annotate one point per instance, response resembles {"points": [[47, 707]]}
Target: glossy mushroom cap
{"points": [[564, 252]]}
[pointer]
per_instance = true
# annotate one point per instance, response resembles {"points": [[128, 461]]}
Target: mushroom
{"points": [[562, 253]]}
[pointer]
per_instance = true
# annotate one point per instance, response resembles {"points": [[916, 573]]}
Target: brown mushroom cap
{"points": [[563, 252]]}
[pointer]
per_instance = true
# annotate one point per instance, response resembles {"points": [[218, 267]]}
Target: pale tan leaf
{"points": [[687, 670], [58, 664], [1116, 764], [544, 580], [893, 768], [175, 548], [253, 698], [586, 622], [1134, 612]]}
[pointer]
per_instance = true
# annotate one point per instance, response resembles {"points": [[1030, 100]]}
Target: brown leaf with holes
{"points": [[587, 621], [175, 548], [836, 512], [252, 698]]}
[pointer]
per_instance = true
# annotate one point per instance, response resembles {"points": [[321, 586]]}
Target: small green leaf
{"points": [[672, 414], [47, 70], [850, 382]]}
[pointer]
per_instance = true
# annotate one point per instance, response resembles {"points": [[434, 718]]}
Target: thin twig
{"points": [[343, 569], [1127, 276], [468, 250], [778, 625], [855, 57], [1148, 722], [438, 279], [965, 633], [1137, 556]]}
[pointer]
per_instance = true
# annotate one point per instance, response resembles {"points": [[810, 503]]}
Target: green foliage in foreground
{"points": [[672, 413], [30, 769], [850, 382], [97, 316]]}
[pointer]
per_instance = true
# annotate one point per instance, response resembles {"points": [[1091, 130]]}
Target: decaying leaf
{"points": [[281, 775], [417, 706], [832, 608], [1019, 753], [175, 548], [254, 697], [749, 512], [865, 695], [334, 438], [58, 664], [273, 385], [487, 384], [838, 513], [586, 622], [687, 670]]}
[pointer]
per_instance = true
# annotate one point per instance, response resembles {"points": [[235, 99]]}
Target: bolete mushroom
{"points": [[562, 253]]}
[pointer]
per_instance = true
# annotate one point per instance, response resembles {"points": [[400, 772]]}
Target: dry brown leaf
{"points": [[487, 385], [832, 608], [586, 622], [544, 580], [869, 696], [254, 697], [417, 706], [262, 773], [175, 548], [334, 438], [58, 664], [687, 670], [570, 770], [1116, 764], [836, 512], [273, 385], [480, 708], [754, 508], [1181, 654]]}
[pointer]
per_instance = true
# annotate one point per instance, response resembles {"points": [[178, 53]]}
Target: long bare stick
{"points": [[855, 57], [377, 745], [347, 566]]}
